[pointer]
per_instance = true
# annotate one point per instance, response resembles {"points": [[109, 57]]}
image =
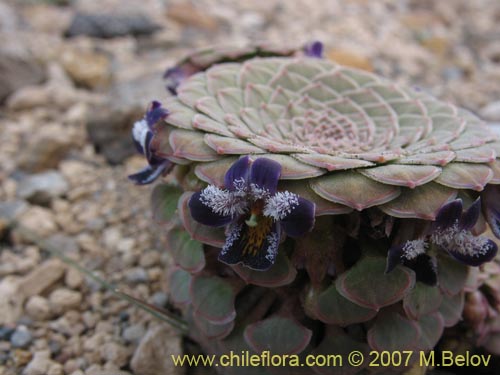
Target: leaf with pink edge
{"points": [[403, 175], [433, 158], [278, 334], [179, 286], [422, 300], [495, 168], [357, 283], [452, 275], [332, 163], [187, 253], [190, 145], [393, 332], [451, 309], [211, 330], [353, 189], [423, 202], [323, 206], [431, 329], [292, 169], [164, 202], [483, 154], [207, 235], [332, 308], [465, 176], [338, 343], [281, 273], [213, 298], [213, 172], [231, 146], [179, 114]]}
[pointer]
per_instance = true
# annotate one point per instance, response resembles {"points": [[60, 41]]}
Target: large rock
{"points": [[87, 67], [64, 299], [40, 188], [41, 278], [41, 364], [47, 147], [110, 25], [152, 356], [10, 211], [12, 302], [18, 68]]}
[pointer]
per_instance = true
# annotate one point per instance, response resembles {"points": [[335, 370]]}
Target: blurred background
{"points": [[75, 75]]}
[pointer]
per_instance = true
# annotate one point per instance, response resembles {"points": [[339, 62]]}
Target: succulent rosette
{"points": [[318, 209]]}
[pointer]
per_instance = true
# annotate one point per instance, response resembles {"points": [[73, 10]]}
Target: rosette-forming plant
{"points": [[312, 208]]}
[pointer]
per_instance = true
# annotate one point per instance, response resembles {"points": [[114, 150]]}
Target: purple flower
{"points": [[176, 75], [254, 211], [314, 49], [451, 232], [142, 134]]}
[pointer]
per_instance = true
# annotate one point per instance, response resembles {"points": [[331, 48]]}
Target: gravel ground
{"points": [[67, 106]]}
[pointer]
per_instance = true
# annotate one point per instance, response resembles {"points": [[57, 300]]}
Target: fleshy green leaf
{"points": [[281, 273], [179, 286], [211, 330], [332, 308], [367, 284], [336, 342], [422, 300], [452, 275], [278, 334], [187, 253], [431, 329], [213, 298], [353, 189], [164, 202], [393, 332], [451, 309], [465, 176], [403, 175], [423, 202]]}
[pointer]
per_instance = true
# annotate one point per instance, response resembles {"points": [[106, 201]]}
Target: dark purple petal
{"points": [[138, 146], [174, 77], [314, 49], [470, 217], [448, 215], [425, 269], [204, 214], [150, 173], [424, 266], [243, 247], [155, 113], [483, 253], [300, 220], [265, 173], [491, 207], [239, 170], [147, 149], [394, 257]]}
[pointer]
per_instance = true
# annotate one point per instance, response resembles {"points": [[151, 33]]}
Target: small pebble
{"points": [[6, 332], [137, 275], [21, 338], [133, 333], [54, 347], [159, 299], [124, 316]]}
